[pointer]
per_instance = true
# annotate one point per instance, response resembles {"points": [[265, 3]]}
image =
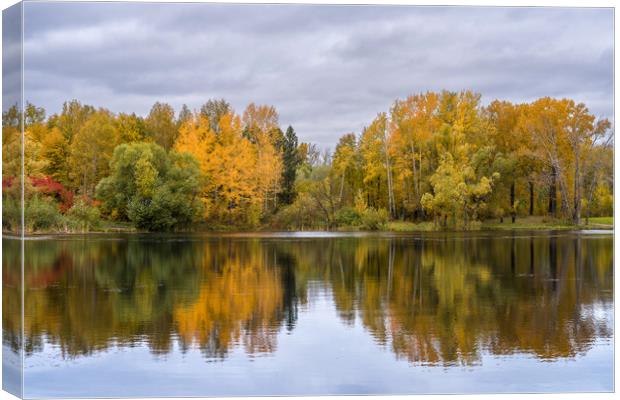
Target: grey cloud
{"points": [[327, 69], [11, 57]]}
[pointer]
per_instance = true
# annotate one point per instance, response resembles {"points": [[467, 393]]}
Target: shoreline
{"points": [[607, 229]]}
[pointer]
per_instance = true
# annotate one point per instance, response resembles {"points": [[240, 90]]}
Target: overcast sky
{"points": [[327, 69]]}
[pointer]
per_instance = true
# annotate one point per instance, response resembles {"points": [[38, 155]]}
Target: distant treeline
{"points": [[441, 157]]}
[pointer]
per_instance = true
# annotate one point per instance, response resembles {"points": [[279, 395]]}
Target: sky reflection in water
{"points": [[306, 314]]}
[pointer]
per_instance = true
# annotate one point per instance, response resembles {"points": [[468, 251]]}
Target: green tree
{"points": [[152, 189], [458, 193], [290, 160]]}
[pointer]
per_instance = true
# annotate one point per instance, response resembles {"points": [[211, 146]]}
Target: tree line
{"points": [[434, 156]]}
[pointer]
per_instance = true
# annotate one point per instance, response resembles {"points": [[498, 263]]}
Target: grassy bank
{"points": [[526, 223], [602, 220], [546, 223]]}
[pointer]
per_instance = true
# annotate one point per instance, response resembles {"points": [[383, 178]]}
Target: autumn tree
{"points": [[161, 126], [598, 178], [231, 191], [347, 165], [184, 115], [514, 158], [213, 110], [57, 150], [458, 193], [260, 127], [375, 150], [33, 115], [583, 132], [73, 115], [90, 151], [259, 120], [131, 128], [413, 122]]}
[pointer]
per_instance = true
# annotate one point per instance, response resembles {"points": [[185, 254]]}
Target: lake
{"points": [[311, 313]]}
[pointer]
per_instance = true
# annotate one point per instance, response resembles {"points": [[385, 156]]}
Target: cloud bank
{"points": [[327, 69]]}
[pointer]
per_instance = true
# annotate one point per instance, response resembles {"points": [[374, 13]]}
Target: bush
{"points": [[302, 214], [40, 214], [373, 219], [82, 216], [11, 213], [348, 216], [155, 190]]}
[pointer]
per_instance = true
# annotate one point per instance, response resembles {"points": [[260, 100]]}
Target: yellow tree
{"points": [[413, 122], [233, 168], [131, 128], [375, 149], [55, 151], [544, 123], [91, 150], [228, 162], [197, 138], [513, 157], [260, 126], [346, 164], [34, 161], [582, 133], [458, 192], [260, 120]]}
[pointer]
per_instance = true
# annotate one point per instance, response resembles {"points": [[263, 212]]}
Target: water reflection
{"points": [[433, 300]]}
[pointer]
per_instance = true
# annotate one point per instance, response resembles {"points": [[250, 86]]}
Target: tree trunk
{"points": [[341, 188], [553, 193], [420, 174], [390, 191], [389, 179], [566, 208], [403, 209], [413, 168], [577, 192]]}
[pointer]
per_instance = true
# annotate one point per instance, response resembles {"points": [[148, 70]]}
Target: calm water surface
{"points": [[285, 314]]}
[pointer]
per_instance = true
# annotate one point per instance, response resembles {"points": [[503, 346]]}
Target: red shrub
{"points": [[7, 182], [49, 186]]}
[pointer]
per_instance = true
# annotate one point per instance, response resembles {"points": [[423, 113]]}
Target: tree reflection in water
{"points": [[437, 299]]}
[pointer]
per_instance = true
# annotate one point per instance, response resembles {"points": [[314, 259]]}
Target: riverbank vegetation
{"points": [[433, 161]]}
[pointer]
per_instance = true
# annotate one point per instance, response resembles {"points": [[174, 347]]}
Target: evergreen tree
{"points": [[291, 161]]}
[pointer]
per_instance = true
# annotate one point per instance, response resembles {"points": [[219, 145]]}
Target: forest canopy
{"points": [[441, 157]]}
